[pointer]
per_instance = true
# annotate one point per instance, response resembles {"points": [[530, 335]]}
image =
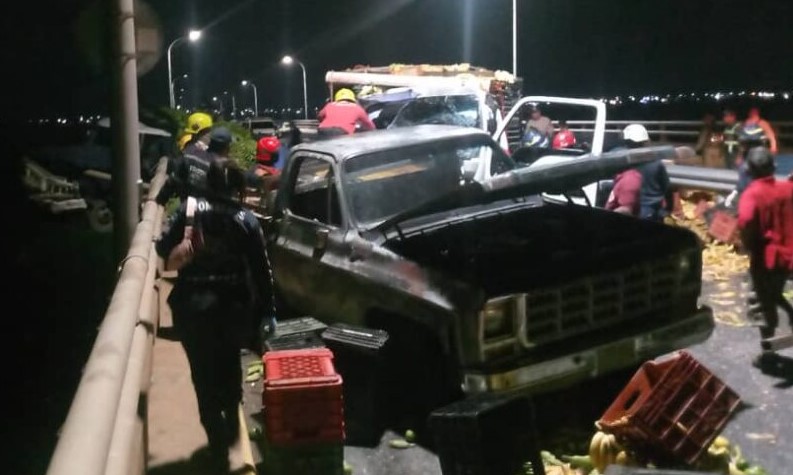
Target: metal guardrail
{"points": [[662, 129], [105, 429]]}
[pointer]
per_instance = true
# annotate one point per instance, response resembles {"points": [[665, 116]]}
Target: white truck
{"points": [[434, 94]]}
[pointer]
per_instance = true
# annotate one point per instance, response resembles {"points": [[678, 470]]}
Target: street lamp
{"points": [[193, 36], [287, 61], [255, 96], [515, 38]]}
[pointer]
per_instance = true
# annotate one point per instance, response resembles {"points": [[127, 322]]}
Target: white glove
{"points": [[730, 198]]}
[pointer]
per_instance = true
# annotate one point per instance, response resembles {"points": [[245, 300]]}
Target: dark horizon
{"points": [[566, 47]]}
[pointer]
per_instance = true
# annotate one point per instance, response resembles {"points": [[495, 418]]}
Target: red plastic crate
{"points": [[671, 410], [302, 397], [724, 227]]}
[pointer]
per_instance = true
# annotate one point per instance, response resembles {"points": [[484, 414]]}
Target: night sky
{"points": [[572, 47]]}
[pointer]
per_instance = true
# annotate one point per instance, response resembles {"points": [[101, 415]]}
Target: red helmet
{"points": [[266, 147]]}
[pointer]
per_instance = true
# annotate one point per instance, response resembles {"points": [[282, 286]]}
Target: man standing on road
{"points": [[730, 136], [765, 218]]}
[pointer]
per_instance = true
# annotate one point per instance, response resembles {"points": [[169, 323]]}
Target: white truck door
{"points": [[598, 137]]}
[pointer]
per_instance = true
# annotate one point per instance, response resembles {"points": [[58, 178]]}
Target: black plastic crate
{"points": [[359, 355], [356, 339], [294, 341], [486, 435], [298, 325]]}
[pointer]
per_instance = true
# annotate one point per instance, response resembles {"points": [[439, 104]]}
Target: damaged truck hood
{"points": [[551, 178]]}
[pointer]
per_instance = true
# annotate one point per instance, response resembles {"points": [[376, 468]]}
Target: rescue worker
{"points": [[655, 187], [748, 136], [187, 172], [730, 136], [199, 124], [217, 247], [264, 174], [753, 118], [343, 116], [765, 220], [565, 138]]}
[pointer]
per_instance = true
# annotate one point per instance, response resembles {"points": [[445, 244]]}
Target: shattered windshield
{"points": [[382, 184], [460, 110]]}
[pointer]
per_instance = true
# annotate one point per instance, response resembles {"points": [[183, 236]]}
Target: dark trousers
{"points": [[210, 322], [330, 132], [769, 286]]}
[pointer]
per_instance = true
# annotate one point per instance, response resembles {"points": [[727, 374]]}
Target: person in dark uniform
{"points": [[187, 172], [223, 281]]}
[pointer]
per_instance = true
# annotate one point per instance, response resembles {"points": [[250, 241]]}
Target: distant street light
{"points": [[288, 61], [255, 96], [193, 36]]}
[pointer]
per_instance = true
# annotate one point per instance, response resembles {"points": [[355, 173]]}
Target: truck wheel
{"points": [[419, 377], [100, 216]]}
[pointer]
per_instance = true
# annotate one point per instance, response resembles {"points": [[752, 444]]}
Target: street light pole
{"points": [[255, 97], [515, 38], [287, 60], [194, 35], [173, 86]]}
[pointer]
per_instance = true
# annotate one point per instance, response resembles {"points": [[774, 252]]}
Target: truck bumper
{"points": [[615, 355]]}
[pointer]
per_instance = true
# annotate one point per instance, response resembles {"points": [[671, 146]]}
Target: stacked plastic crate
{"points": [[303, 413]]}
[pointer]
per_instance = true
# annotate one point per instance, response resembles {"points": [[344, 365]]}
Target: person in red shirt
{"points": [[263, 173], [343, 116], [565, 138], [765, 219], [624, 197]]}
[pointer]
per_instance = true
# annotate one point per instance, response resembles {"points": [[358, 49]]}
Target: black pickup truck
{"points": [[482, 285]]}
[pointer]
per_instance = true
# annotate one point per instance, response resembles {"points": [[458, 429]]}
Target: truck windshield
{"points": [[382, 184], [449, 110]]}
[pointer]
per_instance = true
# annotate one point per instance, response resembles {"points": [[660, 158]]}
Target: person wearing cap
{"points": [[539, 122], [565, 138], [223, 281], [199, 125], [343, 116], [655, 195], [765, 221]]}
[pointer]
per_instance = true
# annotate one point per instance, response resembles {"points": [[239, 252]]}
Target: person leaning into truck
{"points": [[223, 281], [655, 194], [765, 220], [343, 116], [263, 174], [565, 138], [539, 122]]}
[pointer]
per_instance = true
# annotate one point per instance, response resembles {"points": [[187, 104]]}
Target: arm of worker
{"points": [[321, 114], [364, 120], [179, 243], [747, 221], [769, 132]]}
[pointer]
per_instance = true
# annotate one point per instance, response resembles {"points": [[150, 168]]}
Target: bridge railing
{"points": [[105, 428]]}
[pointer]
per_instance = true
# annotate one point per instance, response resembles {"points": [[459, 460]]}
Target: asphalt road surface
{"points": [[762, 426]]}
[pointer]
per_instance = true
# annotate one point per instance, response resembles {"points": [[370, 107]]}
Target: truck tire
{"points": [[420, 378], [100, 216]]}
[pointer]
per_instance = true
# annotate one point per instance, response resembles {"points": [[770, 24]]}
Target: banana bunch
{"points": [[604, 450]]}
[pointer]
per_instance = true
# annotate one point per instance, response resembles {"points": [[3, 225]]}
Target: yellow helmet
{"points": [[197, 122], [183, 140], [344, 95]]}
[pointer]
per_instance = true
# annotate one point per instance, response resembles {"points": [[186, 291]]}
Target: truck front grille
{"points": [[604, 300]]}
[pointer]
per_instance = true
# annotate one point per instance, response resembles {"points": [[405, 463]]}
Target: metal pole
{"points": [[305, 91], [170, 73], [255, 101], [233, 105], [126, 179], [515, 37]]}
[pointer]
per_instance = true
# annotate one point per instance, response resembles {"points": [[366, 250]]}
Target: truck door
{"points": [[310, 236]]}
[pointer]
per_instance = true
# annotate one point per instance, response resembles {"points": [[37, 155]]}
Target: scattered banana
{"points": [[603, 450]]}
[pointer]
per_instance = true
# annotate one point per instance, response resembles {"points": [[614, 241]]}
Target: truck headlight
{"points": [[498, 318]]}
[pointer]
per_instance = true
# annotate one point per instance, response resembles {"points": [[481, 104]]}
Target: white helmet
{"points": [[635, 133]]}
